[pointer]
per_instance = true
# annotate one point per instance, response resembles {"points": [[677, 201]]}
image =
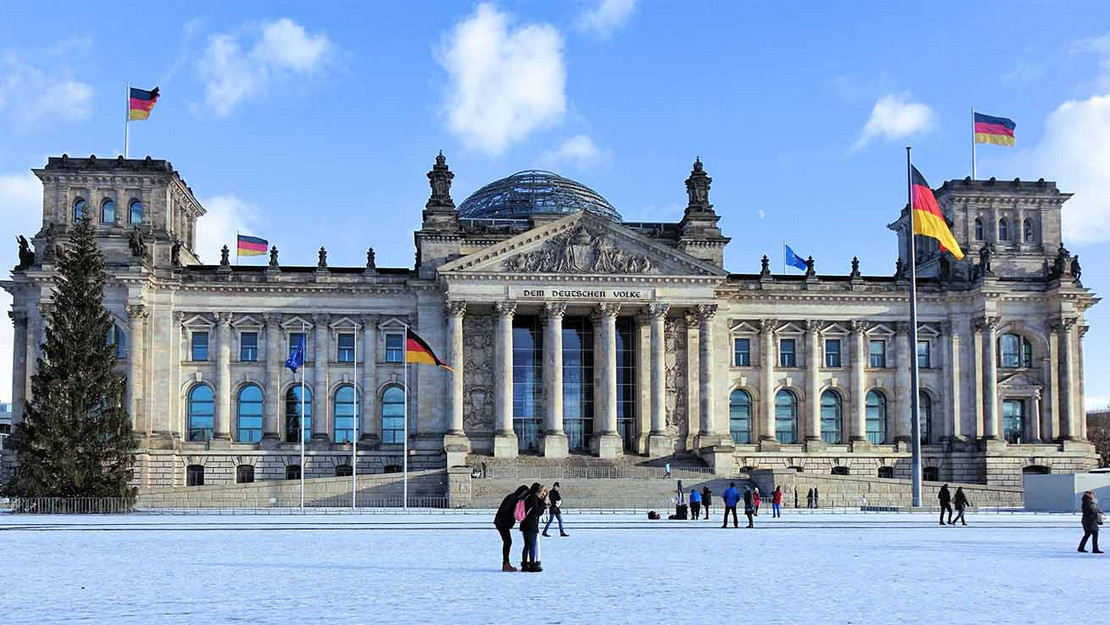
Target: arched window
{"points": [[108, 212], [876, 418], [249, 425], [786, 417], [117, 337], [342, 470], [201, 413], [831, 417], [978, 229], [244, 474], [740, 416], [293, 472], [1003, 230], [194, 475], [293, 414], [925, 413], [80, 209], [1027, 231], [1014, 351], [886, 472], [393, 415], [343, 417], [135, 212]]}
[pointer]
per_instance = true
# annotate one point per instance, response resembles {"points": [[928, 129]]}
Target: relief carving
{"points": [[478, 332], [674, 335], [580, 250]]}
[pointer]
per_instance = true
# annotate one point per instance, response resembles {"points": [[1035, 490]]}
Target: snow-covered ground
{"points": [[436, 568]]}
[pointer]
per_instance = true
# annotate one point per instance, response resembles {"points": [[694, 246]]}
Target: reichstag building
{"points": [[574, 332]]}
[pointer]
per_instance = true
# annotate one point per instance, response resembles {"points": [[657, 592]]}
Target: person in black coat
{"points": [[555, 498], [1092, 518], [535, 504], [749, 506], [706, 500], [945, 497], [961, 505], [504, 521]]}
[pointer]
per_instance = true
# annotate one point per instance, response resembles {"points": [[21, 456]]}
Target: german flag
{"points": [[928, 220], [996, 130], [140, 102], [418, 352]]}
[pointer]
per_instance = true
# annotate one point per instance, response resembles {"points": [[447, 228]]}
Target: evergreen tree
{"points": [[76, 439]]}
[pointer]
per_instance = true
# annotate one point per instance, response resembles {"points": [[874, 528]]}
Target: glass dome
{"points": [[534, 192]]}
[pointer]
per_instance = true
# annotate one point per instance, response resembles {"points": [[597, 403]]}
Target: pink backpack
{"points": [[518, 512]]}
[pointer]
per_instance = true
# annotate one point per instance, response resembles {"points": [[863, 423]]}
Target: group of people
{"points": [[527, 505], [752, 499], [946, 502]]}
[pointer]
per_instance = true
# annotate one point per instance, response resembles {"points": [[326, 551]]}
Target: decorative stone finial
{"points": [[322, 263], [274, 256], [899, 269], [810, 271], [855, 267], [697, 188], [371, 257], [440, 180], [765, 267], [224, 261]]}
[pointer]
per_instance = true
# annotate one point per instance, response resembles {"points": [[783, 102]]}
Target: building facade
{"points": [[571, 331]]}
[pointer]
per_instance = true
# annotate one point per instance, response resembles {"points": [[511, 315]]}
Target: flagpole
{"points": [[784, 256], [126, 119], [405, 447], [915, 420], [973, 143], [304, 333], [354, 431]]}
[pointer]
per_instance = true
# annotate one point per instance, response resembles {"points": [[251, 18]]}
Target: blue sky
{"points": [[314, 124]]}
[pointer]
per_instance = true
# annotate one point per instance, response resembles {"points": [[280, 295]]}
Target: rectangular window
{"points": [[787, 355], [248, 347], [200, 346], [832, 353], [395, 348], [295, 339], [924, 356], [878, 354], [742, 353], [346, 348]]}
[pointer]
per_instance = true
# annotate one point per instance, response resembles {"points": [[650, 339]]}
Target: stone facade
{"points": [[750, 371]]}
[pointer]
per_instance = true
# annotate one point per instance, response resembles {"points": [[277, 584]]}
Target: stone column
{"points": [[19, 364], [554, 443], [222, 426], [606, 441], [659, 443], [977, 350], [902, 391], [992, 429], [504, 439], [1065, 328], [456, 358], [857, 433], [1035, 417], [137, 315], [952, 359], [272, 432], [813, 384], [370, 417], [1080, 381], [320, 384], [707, 390], [767, 381], [1052, 377]]}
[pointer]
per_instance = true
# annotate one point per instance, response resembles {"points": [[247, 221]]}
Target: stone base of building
{"points": [[554, 445], [607, 446], [456, 447], [659, 445], [505, 445]]}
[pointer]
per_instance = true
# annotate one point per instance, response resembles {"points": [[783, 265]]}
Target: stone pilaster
{"points": [[607, 441], [321, 416], [813, 385], [554, 443], [1065, 328], [951, 343], [455, 441], [368, 424], [857, 432], [137, 315], [1053, 428], [903, 394], [222, 426], [1035, 417], [992, 429], [707, 435], [767, 438], [275, 358], [19, 364], [505, 444], [659, 443]]}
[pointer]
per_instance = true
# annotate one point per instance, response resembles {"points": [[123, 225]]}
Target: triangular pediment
{"points": [[836, 329], [582, 243], [881, 329], [1019, 380], [744, 327]]}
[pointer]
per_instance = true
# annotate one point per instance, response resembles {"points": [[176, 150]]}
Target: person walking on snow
{"points": [[1092, 518], [945, 498], [961, 504], [534, 507], [706, 500], [749, 506], [695, 504], [756, 500], [809, 499], [731, 497], [776, 503], [556, 512], [504, 522]]}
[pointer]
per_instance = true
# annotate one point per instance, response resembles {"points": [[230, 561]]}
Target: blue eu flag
{"points": [[296, 359], [793, 259]]}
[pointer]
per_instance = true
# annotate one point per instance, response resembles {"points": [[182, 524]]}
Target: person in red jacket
{"points": [[776, 503], [756, 501]]}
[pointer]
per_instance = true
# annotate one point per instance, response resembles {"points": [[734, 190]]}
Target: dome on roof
{"points": [[534, 192]]}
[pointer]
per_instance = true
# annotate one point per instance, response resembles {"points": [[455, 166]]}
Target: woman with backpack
{"points": [[504, 522], [1091, 519], [528, 511]]}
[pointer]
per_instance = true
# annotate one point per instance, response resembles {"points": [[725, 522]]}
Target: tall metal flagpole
{"points": [[304, 334], [915, 417], [354, 431], [784, 256], [126, 119], [973, 143], [405, 448]]}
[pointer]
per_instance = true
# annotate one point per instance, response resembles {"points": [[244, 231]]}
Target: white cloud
{"points": [[20, 213], [762, 214], [607, 16], [227, 214], [29, 94], [894, 117], [579, 151], [506, 81], [232, 73]]}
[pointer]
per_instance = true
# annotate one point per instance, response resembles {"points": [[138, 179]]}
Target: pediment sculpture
{"points": [[580, 251]]}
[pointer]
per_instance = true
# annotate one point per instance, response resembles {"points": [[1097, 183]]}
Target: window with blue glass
{"points": [[1003, 230], [248, 347], [978, 229], [108, 212], [877, 353], [200, 346], [578, 382], [786, 417], [295, 339], [832, 417], [80, 209], [832, 353], [924, 355], [343, 424], [248, 425], [925, 414], [1014, 352], [1013, 421], [395, 347], [393, 415], [788, 357], [200, 413], [742, 352], [118, 338], [135, 212], [527, 381], [626, 382], [346, 346], [293, 414], [876, 418], [740, 416]]}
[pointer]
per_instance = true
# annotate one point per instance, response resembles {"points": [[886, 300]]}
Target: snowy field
{"points": [[806, 569]]}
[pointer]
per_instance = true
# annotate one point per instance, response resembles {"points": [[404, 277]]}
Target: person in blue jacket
{"points": [[695, 504], [731, 497]]}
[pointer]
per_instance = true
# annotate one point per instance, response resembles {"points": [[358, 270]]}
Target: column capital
{"points": [[706, 311], [608, 309], [455, 308], [320, 319], [506, 308], [1083, 330], [272, 319], [658, 309], [223, 319], [987, 323], [858, 326], [18, 317], [554, 310], [1037, 394], [902, 328], [768, 325], [691, 319], [180, 316], [368, 320], [814, 326], [136, 310]]}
